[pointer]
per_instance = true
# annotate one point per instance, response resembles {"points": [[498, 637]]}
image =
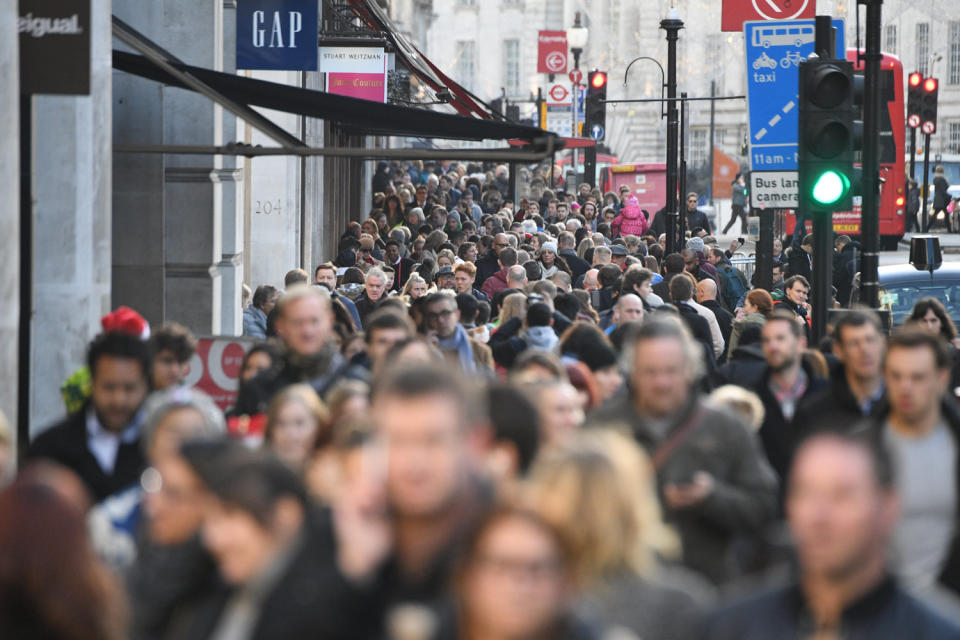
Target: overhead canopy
{"points": [[462, 100], [363, 116]]}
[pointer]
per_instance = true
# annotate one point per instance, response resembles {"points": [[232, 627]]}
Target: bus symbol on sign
{"points": [[929, 127], [782, 35], [913, 121]]}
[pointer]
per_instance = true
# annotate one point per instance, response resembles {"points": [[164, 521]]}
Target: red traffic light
{"points": [[915, 79], [598, 79], [930, 85]]}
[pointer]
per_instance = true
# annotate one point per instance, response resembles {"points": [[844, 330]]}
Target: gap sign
{"points": [[277, 34]]}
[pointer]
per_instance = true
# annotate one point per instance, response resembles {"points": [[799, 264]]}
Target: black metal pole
{"points": [[926, 186], [913, 153], [870, 192], [822, 271], [764, 255], [822, 220], [590, 165], [672, 25], [682, 175], [713, 114], [26, 272]]}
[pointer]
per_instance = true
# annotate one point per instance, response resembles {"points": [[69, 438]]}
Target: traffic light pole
{"points": [[870, 193], [822, 271], [913, 153], [590, 165], [672, 25], [926, 185]]}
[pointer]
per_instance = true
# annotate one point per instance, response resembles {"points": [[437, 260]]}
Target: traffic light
{"points": [[914, 96], [829, 134], [928, 106], [595, 109]]}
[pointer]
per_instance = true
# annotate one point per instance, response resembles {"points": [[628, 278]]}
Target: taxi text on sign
{"points": [[736, 12], [277, 34]]}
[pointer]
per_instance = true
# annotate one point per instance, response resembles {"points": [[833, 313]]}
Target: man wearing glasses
{"points": [[695, 217], [442, 319]]}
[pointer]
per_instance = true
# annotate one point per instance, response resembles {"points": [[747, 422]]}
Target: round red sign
{"points": [[575, 76], [559, 93]]}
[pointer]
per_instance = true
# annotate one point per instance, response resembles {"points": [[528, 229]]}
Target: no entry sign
{"points": [[736, 12]]}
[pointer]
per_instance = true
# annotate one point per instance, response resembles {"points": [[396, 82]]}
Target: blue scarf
{"points": [[460, 342]]}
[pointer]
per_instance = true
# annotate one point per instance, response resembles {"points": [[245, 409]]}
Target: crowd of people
{"points": [[498, 420]]}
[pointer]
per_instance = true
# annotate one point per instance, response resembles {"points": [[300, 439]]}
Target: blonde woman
{"points": [[416, 287], [297, 422], [585, 245], [601, 493], [514, 306]]}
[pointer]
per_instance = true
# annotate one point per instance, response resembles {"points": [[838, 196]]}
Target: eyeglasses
{"points": [[431, 315]]}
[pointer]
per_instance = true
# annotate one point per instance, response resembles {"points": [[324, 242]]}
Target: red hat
{"points": [[126, 320]]}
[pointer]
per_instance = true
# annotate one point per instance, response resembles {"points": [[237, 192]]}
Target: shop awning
{"points": [[363, 116]]}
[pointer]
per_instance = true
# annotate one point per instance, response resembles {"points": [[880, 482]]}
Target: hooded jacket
{"points": [[631, 219]]}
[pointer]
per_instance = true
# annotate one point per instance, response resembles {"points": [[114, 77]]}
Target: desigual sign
{"points": [[54, 46], [277, 34]]}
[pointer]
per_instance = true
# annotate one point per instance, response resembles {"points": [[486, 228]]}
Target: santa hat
{"points": [[126, 320]]}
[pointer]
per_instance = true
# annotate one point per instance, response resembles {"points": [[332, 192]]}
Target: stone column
{"points": [[9, 221], [231, 180], [73, 227], [171, 207]]}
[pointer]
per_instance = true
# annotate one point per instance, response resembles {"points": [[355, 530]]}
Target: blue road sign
{"points": [[774, 51], [596, 132]]}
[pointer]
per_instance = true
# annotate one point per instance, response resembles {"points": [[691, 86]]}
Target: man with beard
{"points": [[305, 325], [787, 381]]}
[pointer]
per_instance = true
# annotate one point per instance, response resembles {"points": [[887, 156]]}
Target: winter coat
{"points": [[744, 494], [631, 219]]}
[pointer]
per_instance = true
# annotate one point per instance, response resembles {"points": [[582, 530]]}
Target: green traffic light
{"points": [[830, 187]]}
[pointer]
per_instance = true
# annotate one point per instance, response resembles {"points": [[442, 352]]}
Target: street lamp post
{"points": [[672, 25], [577, 38]]}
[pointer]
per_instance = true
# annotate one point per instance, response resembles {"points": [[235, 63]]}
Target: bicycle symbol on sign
{"points": [[791, 57]]}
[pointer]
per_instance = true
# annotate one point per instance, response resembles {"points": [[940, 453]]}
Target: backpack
{"points": [[734, 284]]}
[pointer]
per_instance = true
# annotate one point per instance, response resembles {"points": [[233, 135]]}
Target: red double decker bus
{"points": [[893, 198]]}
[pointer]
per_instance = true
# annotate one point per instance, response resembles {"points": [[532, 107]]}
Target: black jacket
{"points": [[777, 434], [696, 219], [845, 266], [487, 265], [310, 600], [886, 612], [724, 319], [366, 306], [66, 443], [834, 407], [744, 367], [321, 372], [798, 263], [402, 271], [578, 266]]}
